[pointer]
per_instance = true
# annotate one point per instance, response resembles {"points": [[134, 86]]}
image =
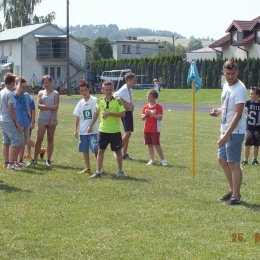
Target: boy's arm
{"points": [[107, 113], [95, 117], [32, 119], [13, 115], [157, 117], [77, 119], [18, 87]]}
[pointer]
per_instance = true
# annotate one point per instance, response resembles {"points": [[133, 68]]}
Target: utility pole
{"points": [[68, 50], [173, 47]]}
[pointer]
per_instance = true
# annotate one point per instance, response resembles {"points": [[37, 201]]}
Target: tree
{"points": [[95, 54], [20, 13], [194, 44], [104, 47]]}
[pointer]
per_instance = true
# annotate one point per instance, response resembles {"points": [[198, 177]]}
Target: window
{"points": [[10, 51], [126, 49], [53, 71], [138, 48], [258, 36], [3, 49], [234, 36]]}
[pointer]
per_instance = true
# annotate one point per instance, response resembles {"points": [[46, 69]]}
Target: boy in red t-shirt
{"points": [[152, 115]]}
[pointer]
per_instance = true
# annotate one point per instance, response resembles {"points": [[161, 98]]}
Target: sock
{"points": [[254, 159], [6, 163]]}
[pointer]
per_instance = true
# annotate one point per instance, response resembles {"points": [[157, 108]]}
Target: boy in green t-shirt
{"points": [[110, 109]]}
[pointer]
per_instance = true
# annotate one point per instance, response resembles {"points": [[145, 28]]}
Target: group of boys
{"points": [[17, 116], [111, 108]]}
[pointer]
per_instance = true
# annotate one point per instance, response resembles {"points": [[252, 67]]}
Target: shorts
{"points": [[24, 135], [252, 138], [152, 138], [128, 121], [114, 139], [10, 134], [231, 151], [87, 142]]}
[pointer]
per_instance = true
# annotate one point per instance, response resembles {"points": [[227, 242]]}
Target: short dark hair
{"points": [[154, 93], [107, 83], [83, 84], [23, 80], [47, 77], [129, 75], [229, 65], [256, 89], [9, 78]]}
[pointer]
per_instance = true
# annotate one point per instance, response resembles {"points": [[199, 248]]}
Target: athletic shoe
{"points": [[48, 162], [127, 157], [32, 162], [42, 152], [120, 174], [226, 196], [85, 171], [95, 175], [255, 162], [115, 155], [232, 201], [21, 164], [244, 163], [13, 167], [151, 162], [164, 163], [29, 157]]}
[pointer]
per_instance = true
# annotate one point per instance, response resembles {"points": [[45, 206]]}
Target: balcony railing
{"points": [[51, 53]]}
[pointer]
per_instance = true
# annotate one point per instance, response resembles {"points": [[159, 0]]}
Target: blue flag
{"points": [[193, 75]]}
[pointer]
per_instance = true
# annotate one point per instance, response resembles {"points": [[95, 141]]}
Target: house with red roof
{"points": [[241, 41]]}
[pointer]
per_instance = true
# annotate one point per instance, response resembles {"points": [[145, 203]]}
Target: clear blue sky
{"points": [[199, 18]]}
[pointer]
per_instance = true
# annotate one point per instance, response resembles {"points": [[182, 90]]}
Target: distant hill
{"points": [[182, 41]]}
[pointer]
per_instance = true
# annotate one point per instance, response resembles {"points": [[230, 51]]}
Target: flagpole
{"points": [[193, 131]]}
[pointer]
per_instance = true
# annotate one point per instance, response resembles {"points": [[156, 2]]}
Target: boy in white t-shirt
{"points": [[88, 131]]}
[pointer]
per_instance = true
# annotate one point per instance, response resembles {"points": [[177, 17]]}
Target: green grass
{"points": [[155, 213]]}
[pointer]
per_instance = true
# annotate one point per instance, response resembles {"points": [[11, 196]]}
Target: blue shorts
{"points": [[87, 142], [231, 151], [10, 134]]}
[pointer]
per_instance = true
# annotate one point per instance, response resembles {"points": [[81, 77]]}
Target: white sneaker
{"points": [[120, 173], [151, 162], [164, 163], [13, 167]]}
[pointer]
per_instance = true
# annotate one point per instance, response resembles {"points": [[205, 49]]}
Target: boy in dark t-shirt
{"points": [[252, 137]]}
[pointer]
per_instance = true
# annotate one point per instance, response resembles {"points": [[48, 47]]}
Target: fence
{"points": [[174, 75]]}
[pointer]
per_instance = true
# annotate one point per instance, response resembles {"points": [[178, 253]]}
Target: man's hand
{"points": [[222, 140], [76, 134]]}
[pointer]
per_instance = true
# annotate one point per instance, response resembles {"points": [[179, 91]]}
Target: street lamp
{"points": [[173, 47]]}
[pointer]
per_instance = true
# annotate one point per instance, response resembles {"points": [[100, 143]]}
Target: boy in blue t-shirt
{"points": [[22, 103]]}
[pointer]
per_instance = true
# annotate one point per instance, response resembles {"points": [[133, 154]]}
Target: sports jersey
{"points": [[86, 110], [231, 96], [22, 111], [253, 119], [151, 124], [111, 124]]}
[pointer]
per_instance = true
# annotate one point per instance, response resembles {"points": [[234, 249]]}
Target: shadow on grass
{"points": [[9, 189], [126, 178], [144, 162], [252, 206]]}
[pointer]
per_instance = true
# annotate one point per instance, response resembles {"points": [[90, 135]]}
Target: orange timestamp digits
{"points": [[238, 237]]}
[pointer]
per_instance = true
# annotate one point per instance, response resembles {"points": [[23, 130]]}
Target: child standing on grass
{"points": [[9, 122], [152, 115], [111, 109], [88, 131], [252, 137]]}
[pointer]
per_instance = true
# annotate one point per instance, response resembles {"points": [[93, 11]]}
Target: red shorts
{"points": [[152, 138]]}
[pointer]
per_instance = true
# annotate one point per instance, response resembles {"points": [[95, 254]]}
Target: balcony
{"points": [[51, 53]]}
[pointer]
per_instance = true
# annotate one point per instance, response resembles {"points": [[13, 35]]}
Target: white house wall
{"points": [[254, 50], [201, 55], [230, 52]]}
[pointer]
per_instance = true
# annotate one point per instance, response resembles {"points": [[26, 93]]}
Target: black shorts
{"points": [[252, 138], [128, 121], [114, 139]]}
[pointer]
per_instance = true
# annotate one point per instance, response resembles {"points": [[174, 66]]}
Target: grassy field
{"points": [[154, 213], [182, 41]]}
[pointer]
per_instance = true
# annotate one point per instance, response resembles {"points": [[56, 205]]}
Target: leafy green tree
{"points": [[20, 13], [95, 54], [104, 47], [194, 44]]}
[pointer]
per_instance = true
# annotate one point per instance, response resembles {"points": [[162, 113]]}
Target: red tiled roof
{"points": [[206, 50], [245, 41], [256, 21], [221, 42], [242, 25]]}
